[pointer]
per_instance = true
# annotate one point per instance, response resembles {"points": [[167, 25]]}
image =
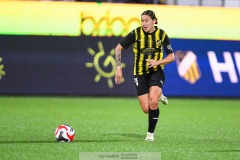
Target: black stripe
{"points": [[154, 40], [138, 49], [138, 40], [160, 38], [146, 45]]}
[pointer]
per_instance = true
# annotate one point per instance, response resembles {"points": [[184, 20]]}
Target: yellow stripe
{"points": [[149, 38], [135, 52], [193, 73], [196, 71], [186, 76], [142, 45], [163, 37], [192, 77], [157, 35], [150, 41]]}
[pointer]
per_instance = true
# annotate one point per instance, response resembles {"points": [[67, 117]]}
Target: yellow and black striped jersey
{"points": [[147, 46]]}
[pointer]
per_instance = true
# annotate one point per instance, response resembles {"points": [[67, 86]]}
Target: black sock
{"points": [[153, 119]]}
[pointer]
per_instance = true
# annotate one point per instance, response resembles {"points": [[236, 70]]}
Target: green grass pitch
{"points": [[188, 129]]}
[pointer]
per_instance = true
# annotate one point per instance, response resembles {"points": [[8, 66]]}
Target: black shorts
{"points": [[144, 82]]}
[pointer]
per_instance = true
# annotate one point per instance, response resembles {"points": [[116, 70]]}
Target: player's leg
{"points": [[154, 111], [143, 96], [144, 102], [142, 91], [155, 90], [163, 98]]}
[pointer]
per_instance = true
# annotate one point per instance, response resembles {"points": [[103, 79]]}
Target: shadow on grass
{"points": [[133, 136], [119, 138], [74, 141], [24, 141], [103, 141], [138, 136], [230, 150]]}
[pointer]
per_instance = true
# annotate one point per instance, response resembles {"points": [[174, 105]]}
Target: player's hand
{"points": [[118, 75], [152, 62]]}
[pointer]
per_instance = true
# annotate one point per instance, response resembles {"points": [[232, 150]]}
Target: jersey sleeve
{"points": [[128, 40], [167, 45]]}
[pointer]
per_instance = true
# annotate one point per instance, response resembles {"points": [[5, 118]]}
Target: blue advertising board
{"points": [[206, 68], [49, 65]]}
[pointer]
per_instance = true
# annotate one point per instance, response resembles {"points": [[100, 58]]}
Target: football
{"points": [[64, 133]]}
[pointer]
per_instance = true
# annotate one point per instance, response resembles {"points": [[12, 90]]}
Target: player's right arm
{"points": [[118, 55], [124, 44]]}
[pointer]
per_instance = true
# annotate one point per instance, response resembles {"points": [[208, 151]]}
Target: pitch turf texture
{"points": [[188, 129]]}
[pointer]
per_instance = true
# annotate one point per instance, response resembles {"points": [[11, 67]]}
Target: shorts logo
{"points": [[187, 66], [136, 81], [161, 82]]}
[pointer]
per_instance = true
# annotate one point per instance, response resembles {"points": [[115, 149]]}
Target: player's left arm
{"points": [[168, 59]]}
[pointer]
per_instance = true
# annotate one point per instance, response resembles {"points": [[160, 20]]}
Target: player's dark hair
{"points": [[151, 14]]}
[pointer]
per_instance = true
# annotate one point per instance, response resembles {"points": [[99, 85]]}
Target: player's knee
{"points": [[153, 104], [145, 110]]}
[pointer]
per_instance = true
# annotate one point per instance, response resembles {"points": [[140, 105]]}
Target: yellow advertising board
{"points": [[109, 19]]}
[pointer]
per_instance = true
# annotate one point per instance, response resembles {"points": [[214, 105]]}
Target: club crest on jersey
{"points": [[159, 43]]}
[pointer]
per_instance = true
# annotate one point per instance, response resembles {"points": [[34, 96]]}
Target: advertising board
{"points": [[86, 66], [109, 19]]}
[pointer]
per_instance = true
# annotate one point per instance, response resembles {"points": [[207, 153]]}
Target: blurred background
{"points": [[220, 3], [67, 47]]}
